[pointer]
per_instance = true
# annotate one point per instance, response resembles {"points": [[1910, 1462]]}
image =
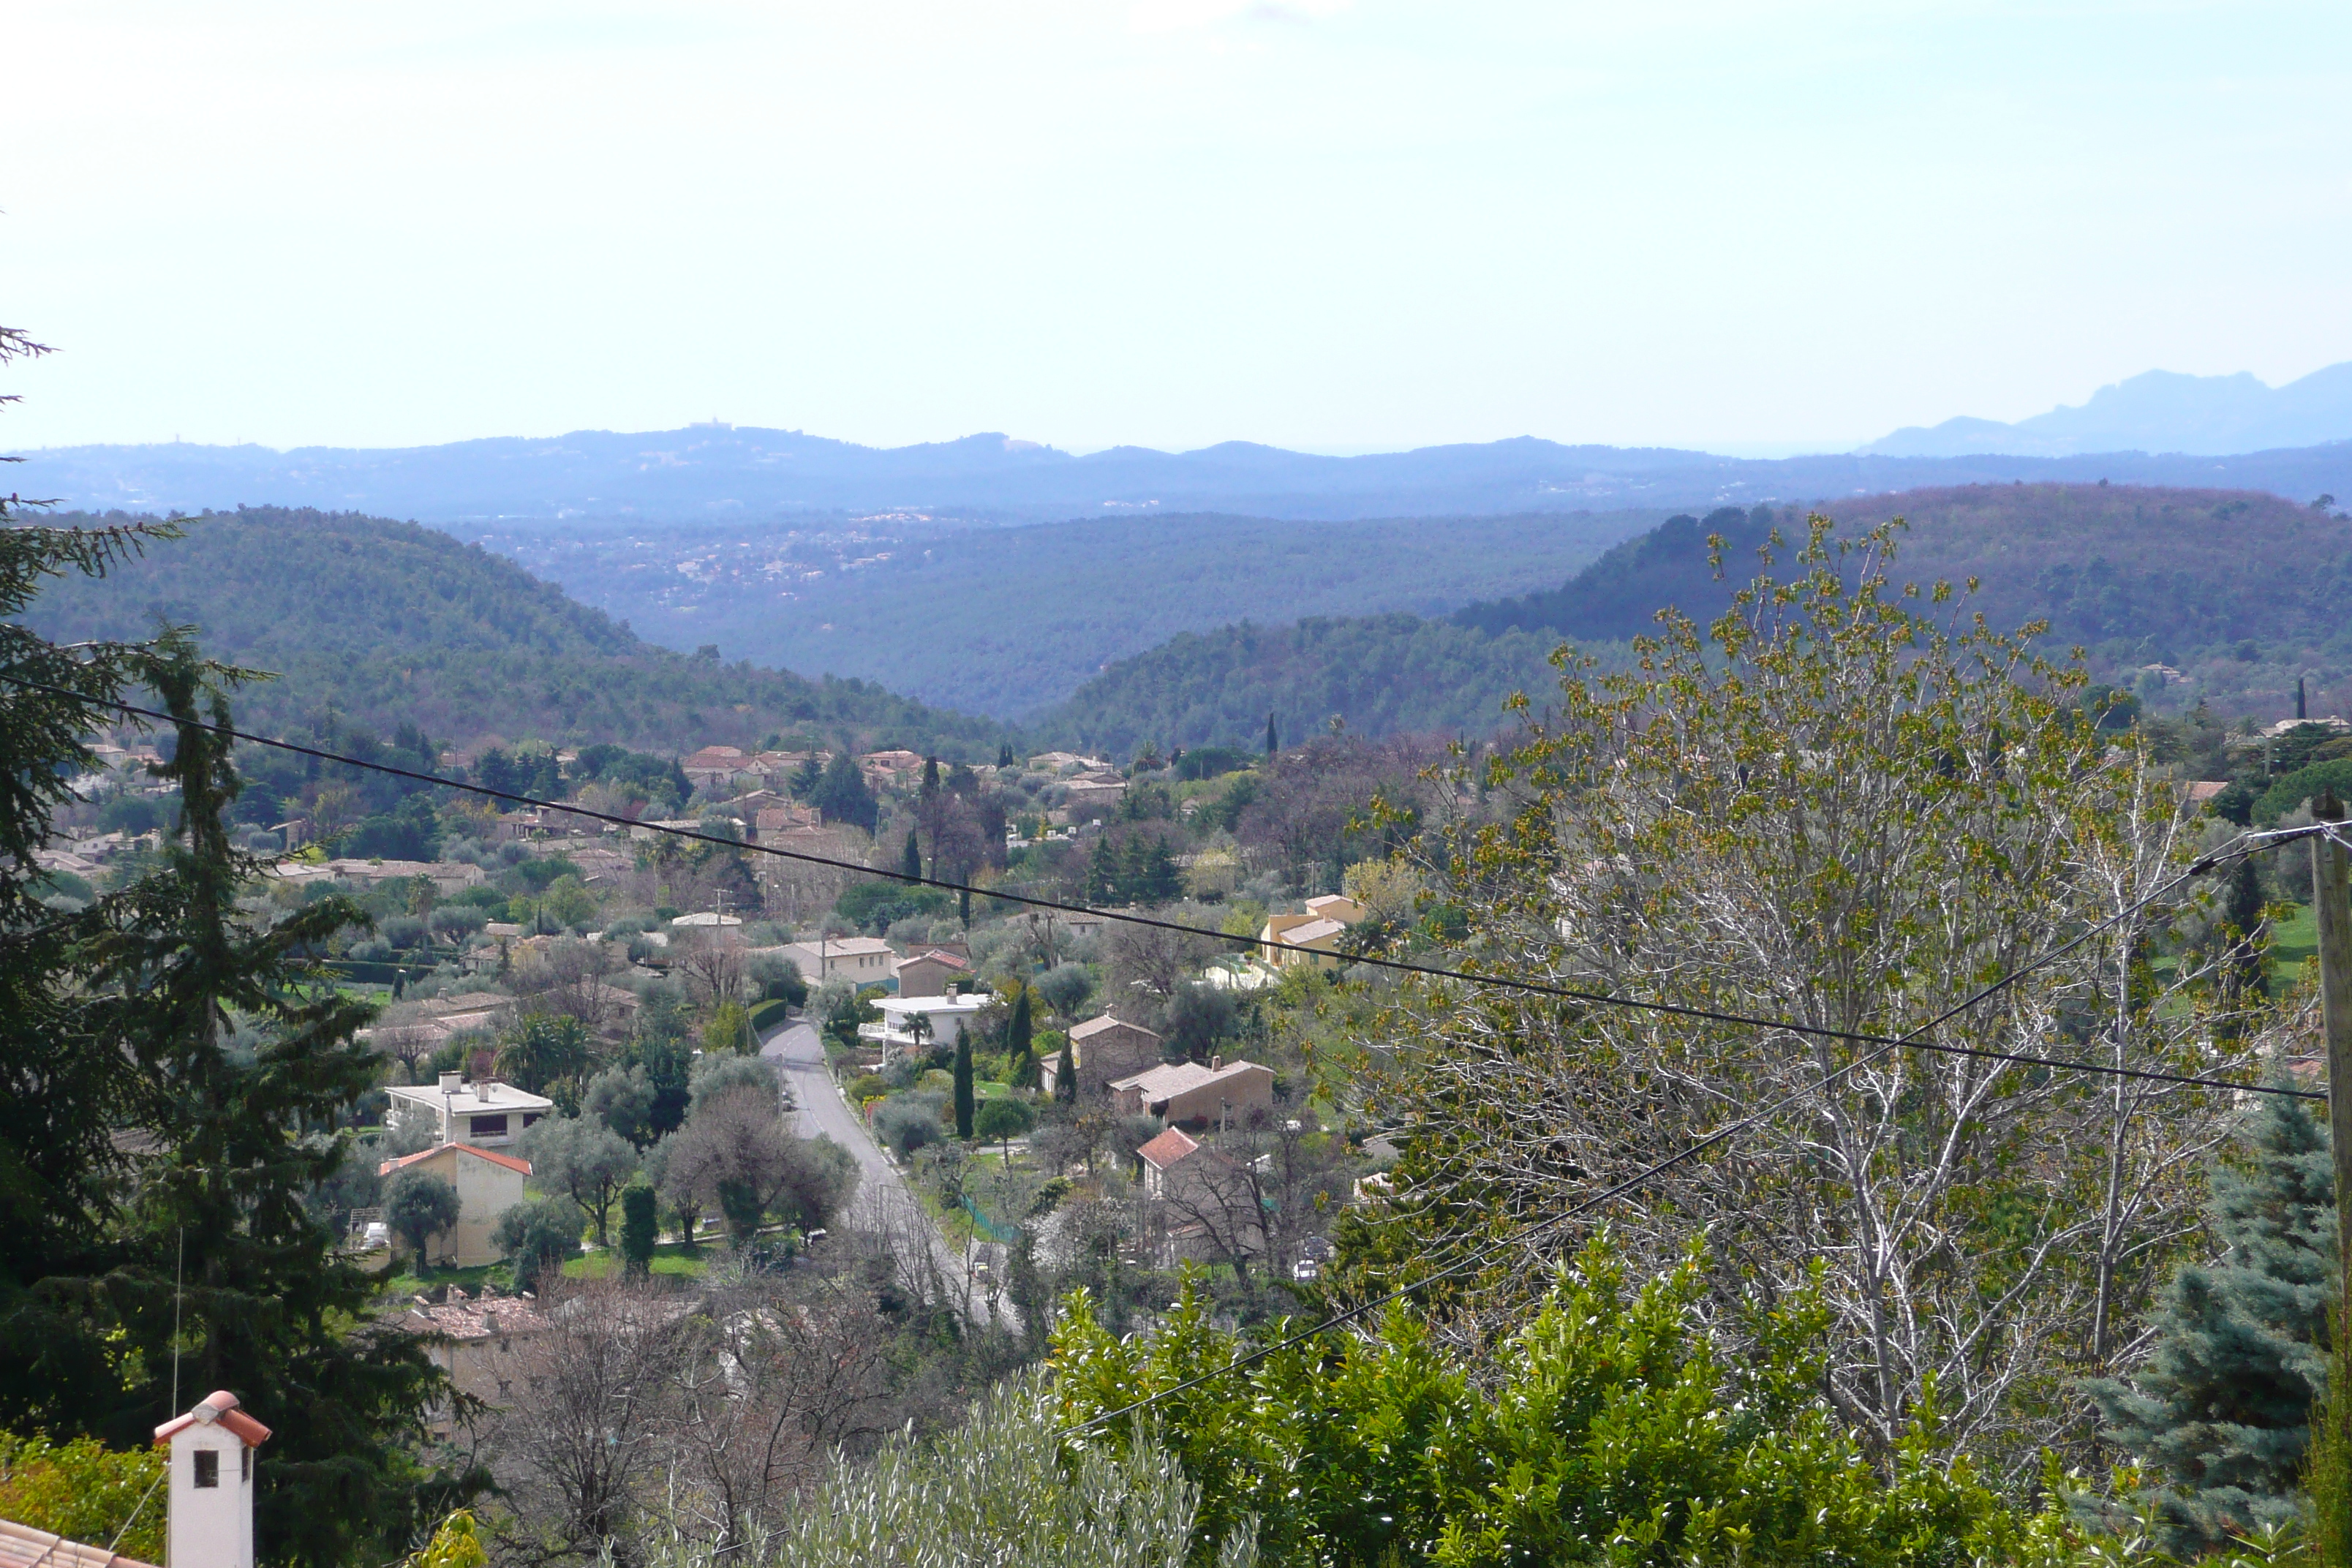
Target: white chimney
{"points": [[451, 1082], [210, 1524]]}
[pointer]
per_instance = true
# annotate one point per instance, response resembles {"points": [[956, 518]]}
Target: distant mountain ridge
{"points": [[2157, 411], [2225, 596], [720, 475]]}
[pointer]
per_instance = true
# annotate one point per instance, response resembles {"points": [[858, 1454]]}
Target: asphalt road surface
{"points": [[823, 1112]]}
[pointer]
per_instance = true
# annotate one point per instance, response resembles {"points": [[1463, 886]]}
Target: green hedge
{"points": [[766, 1016]]}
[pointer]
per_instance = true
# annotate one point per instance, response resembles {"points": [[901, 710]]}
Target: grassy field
{"points": [[2293, 940], [669, 1258], [410, 1283]]}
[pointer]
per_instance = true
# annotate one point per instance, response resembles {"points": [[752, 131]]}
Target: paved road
{"points": [[882, 1190]]}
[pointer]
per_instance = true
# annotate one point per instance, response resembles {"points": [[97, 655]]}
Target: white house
{"points": [[210, 1522], [485, 1113], [945, 1014]]}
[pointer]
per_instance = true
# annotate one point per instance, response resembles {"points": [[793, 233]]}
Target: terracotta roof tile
{"points": [[509, 1161]]}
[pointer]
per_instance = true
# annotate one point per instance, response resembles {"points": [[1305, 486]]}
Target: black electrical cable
{"points": [[1152, 923], [1721, 1134]]}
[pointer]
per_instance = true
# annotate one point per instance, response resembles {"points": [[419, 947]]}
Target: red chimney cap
{"points": [[219, 1407]]}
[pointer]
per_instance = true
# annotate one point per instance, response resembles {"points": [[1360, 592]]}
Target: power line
{"points": [[1722, 1134], [2245, 844]]}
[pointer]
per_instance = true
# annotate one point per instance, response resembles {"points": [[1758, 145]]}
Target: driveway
{"points": [[883, 1195]]}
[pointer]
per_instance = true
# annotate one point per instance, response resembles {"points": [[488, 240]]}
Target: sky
{"points": [[1755, 228]]}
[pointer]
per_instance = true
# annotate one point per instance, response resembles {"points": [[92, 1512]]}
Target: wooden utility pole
{"points": [[2332, 906]]}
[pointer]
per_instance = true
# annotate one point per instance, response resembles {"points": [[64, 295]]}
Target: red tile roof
{"points": [[1170, 1148], [226, 1414], [509, 1161], [22, 1546]]}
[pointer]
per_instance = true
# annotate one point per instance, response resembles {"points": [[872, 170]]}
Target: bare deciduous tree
{"points": [[1850, 816]]}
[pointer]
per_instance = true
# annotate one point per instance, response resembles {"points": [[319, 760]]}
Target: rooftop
{"points": [[931, 1003], [1092, 1026], [509, 1161], [1175, 1078], [22, 1546], [481, 1318], [219, 1409], [466, 1099], [1170, 1148]]}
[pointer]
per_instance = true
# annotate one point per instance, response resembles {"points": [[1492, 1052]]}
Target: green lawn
{"points": [[408, 1282], [2293, 940], [668, 1258]]}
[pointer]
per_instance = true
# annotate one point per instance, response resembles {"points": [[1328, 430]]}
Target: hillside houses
{"points": [[1102, 1051]]}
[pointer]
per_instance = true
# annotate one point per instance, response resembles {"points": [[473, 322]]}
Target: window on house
{"points": [[489, 1126], [529, 1117], [207, 1468]]}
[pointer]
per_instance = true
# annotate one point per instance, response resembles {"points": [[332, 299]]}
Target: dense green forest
{"points": [[2235, 595], [2237, 591], [381, 624], [1005, 621], [1379, 674]]}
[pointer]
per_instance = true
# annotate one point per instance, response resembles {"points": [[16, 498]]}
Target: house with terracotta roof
{"points": [[1336, 907], [715, 764], [1319, 937], [489, 1183], [930, 972], [1175, 1165], [1219, 1093], [884, 769], [484, 1340], [1102, 1050]]}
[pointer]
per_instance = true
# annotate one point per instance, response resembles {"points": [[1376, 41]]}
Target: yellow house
{"points": [[1320, 936], [489, 1183]]}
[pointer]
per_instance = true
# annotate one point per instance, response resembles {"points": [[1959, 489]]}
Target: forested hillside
{"points": [[1379, 674], [1006, 620], [2237, 591], [2186, 595], [386, 623]]}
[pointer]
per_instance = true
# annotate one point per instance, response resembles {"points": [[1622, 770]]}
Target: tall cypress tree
{"points": [[1065, 1074], [2245, 973], [1271, 745], [911, 863], [963, 1095], [2221, 1411], [1019, 1035]]}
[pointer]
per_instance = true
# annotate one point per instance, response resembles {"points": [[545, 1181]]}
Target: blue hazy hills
{"points": [[2160, 411], [2154, 429]]}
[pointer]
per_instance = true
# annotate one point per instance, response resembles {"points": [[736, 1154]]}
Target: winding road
{"points": [[822, 1111]]}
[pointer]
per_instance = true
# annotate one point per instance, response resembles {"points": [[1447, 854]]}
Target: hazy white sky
{"points": [[1331, 226]]}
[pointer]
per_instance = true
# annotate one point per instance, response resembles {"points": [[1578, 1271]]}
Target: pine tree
{"points": [[911, 862], [1103, 877], [2220, 1413], [1156, 879], [963, 1099]]}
